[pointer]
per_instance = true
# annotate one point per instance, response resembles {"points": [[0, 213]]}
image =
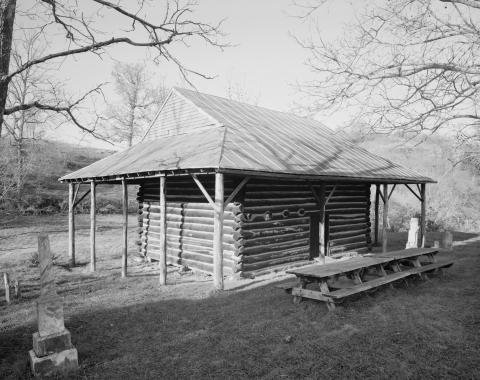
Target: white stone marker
{"points": [[447, 240], [52, 347], [413, 234]]}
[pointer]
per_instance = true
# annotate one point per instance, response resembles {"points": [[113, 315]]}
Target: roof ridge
{"points": [[158, 114], [200, 109], [179, 89]]}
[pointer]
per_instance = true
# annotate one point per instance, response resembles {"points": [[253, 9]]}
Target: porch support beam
{"points": [[77, 189], [377, 205], [236, 190], [163, 232], [381, 196], [323, 240], [93, 259], [125, 227], [81, 198], [71, 223], [218, 232], [204, 191], [391, 191], [413, 192], [321, 202], [329, 195], [423, 223], [385, 219]]}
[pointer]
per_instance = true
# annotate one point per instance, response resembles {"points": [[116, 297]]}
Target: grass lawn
{"points": [[133, 329]]}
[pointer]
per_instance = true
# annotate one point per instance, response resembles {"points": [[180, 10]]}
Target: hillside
{"points": [[43, 193], [452, 202]]}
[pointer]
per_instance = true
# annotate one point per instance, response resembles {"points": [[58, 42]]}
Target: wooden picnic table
{"points": [[389, 267], [409, 253], [320, 271]]}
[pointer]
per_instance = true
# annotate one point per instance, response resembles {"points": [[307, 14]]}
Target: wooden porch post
{"points": [[314, 235], [125, 227], [385, 218], [377, 205], [321, 227], [218, 232], [423, 225], [71, 224], [163, 233], [93, 259]]}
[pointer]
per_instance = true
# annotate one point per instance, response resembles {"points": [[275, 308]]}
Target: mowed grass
{"points": [[133, 329]]}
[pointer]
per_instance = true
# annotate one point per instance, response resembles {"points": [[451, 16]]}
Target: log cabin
{"points": [[230, 188]]}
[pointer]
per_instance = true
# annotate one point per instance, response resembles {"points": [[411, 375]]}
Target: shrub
{"points": [[108, 209], [35, 260]]}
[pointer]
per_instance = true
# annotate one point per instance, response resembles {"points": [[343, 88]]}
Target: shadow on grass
{"points": [[461, 236], [427, 330]]}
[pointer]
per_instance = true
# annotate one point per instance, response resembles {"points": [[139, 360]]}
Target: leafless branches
{"points": [[139, 101], [140, 24], [410, 66]]}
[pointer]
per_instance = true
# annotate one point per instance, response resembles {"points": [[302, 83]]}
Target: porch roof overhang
{"points": [[214, 150]]}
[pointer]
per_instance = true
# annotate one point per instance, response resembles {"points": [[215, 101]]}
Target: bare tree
{"points": [[7, 16], [25, 127], [81, 24], [22, 126], [140, 99], [407, 65], [236, 91]]}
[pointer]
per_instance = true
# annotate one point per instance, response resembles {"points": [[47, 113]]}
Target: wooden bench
{"points": [[287, 286], [345, 292], [357, 270]]}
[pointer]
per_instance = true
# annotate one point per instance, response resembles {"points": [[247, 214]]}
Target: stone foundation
{"points": [[46, 345], [58, 362]]}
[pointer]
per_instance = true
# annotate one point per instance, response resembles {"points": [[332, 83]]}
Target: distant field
{"points": [[133, 329]]}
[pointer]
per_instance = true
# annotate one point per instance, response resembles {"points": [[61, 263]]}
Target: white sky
{"points": [[265, 61]]}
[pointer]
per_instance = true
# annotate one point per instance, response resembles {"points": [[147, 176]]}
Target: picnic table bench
{"points": [[385, 267]]}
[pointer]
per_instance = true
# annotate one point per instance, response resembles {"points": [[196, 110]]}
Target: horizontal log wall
{"points": [[267, 226], [274, 227], [189, 223]]}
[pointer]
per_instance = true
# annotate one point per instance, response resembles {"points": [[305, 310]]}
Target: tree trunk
{"points": [[20, 175], [7, 15], [131, 123]]}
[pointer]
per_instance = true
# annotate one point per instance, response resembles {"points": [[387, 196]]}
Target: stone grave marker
{"points": [[447, 240], [52, 347], [413, 234]]}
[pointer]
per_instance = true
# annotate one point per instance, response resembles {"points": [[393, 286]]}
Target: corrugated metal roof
{"points": [[200, 150], [252, 139]]}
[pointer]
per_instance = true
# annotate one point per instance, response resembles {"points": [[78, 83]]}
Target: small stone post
{"points": [[6, 283], [52, 347], [17, 289]]}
